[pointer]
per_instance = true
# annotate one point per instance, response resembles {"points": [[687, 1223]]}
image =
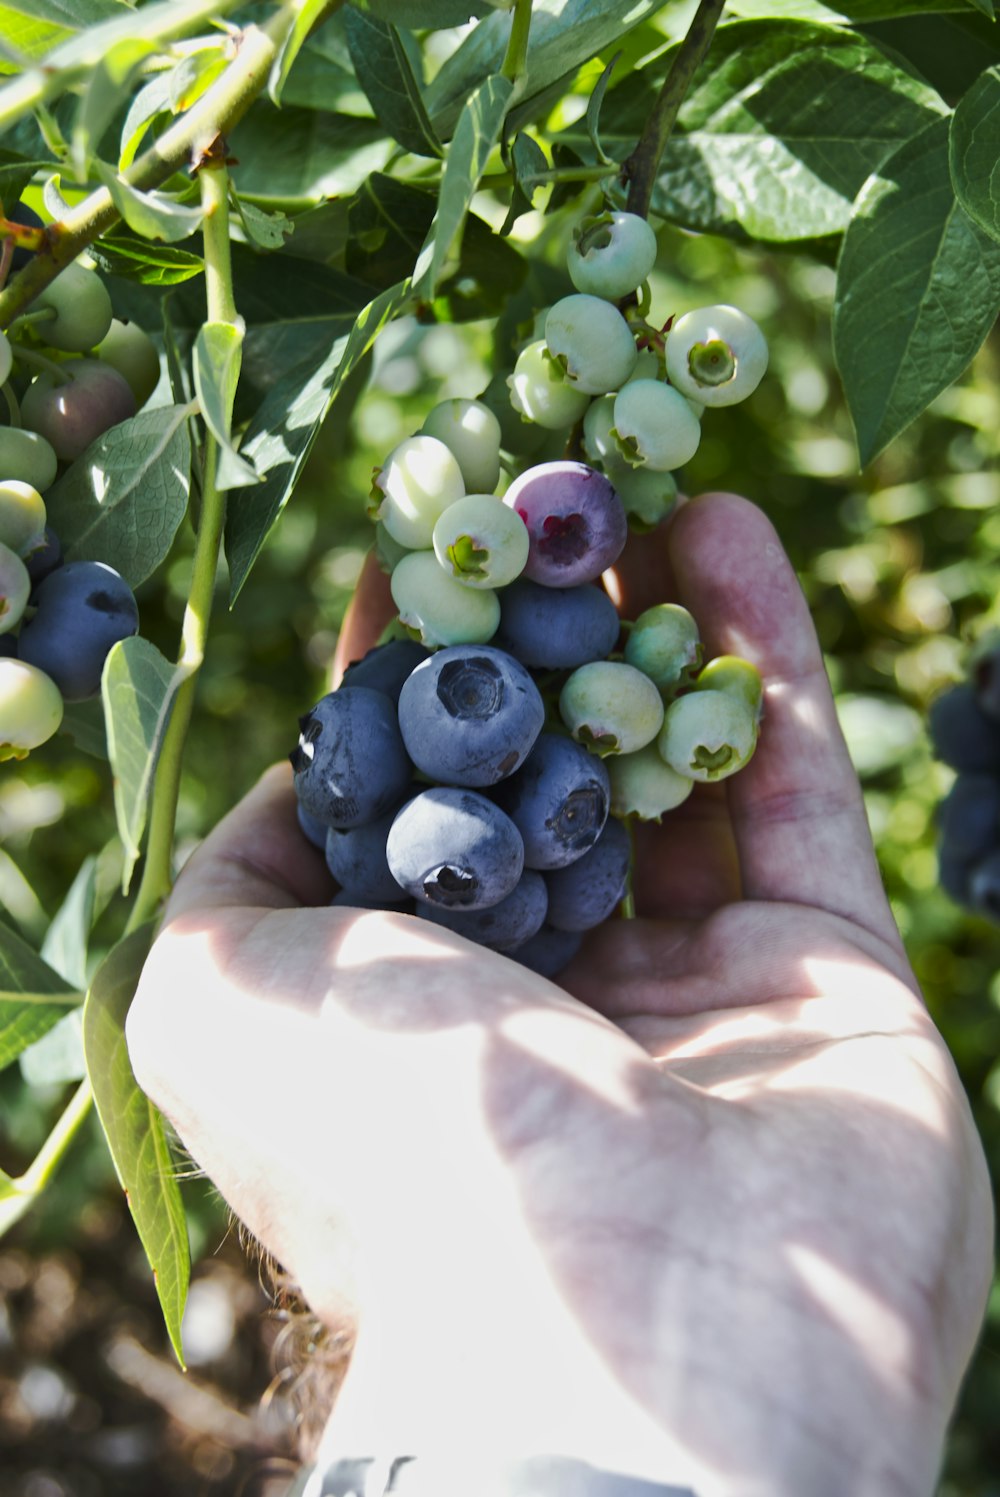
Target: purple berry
{"points": [[576, 522]]}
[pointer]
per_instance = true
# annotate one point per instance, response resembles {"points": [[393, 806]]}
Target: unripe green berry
{"points": [[22, 517], [739, 677], [6, 358], [31, 708], [707, 735], [647, 494], [655, 425], [439, 609], [130, 350], [15, 589], [592, 341], [611, 254], [83, 310], [610, 707], [28, 457], [663, 643], [471, 431], [481, 542], [540, 391], [643, 785], [716, 355], [414, 486]]}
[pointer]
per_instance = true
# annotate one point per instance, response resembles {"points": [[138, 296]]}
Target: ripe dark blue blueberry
{"points": [[350, 764], [549, 951], [576, 522], [356, 858], [962, 733], [45, 558], [82, 609], [470, 715], [504, 926], [587, 891], [386, 666], [969, 817], [455, 848], [552, 628], [558, 800]]}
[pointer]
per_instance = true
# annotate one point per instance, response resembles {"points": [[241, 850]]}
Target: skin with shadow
{"points": [[709, 1210]]}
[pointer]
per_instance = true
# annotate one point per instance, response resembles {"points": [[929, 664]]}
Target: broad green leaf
{"points": [[33, 27], [388, 222], [267, 231], [283, 431], [150, 102], [15, 174], [58, 1056], [293, 157], [135, 1130], [974, 152], [857, 11], [527, 159], [153, 215], [564, 34], [216, 362], [918, 289], [138, 688], [476, 135], [384, 72], [68, 935], [122, 500], [106, 91], [593, 115], [33, 997], [195, 74], [309, 15], [147, 264], [84, 724], [781, 126]]}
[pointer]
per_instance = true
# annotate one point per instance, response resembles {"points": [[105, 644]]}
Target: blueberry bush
{"points": [[496, 253]]}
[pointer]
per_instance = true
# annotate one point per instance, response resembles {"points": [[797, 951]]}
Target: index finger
{"points": [[797, 810]]}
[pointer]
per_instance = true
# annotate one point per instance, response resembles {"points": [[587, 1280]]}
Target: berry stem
{"points": [[214, 114], [29, 1186], [157, 875], [517, 45], [642, 167], [36, 360]]}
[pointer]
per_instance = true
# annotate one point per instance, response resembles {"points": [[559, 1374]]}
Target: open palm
{"points": [[711, 1209]]}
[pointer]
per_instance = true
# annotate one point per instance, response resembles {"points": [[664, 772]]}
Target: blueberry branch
{"points": [[641, 169], [157, 875], [517, 44], [216, 113]]}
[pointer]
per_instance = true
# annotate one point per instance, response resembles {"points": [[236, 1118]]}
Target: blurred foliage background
{"points": [[899, 567]]}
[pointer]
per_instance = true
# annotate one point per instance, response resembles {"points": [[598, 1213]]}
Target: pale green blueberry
{"points": [[610, 707], [599, 442], [739, 677], [707, 735], [130, 350], [439, 609], [82, 306], [481, 542], [592, 341], [642, 785], [611, 254], [22, 516], [6, 358], [648, 365], [414, 486], [655, 425], [15, 589], [471, 431], [540, 391], [31, 708], [27, 457], [647, 494], [663, 643], [716, 355]]}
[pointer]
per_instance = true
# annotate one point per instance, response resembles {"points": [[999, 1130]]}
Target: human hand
{"points": [[711, 1209]]}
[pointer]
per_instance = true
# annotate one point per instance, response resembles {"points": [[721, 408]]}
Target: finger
{"points": [[797, 810], [370, 609], [257, 855]]}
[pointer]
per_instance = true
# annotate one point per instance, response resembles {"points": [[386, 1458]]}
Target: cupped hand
{"points": [[710, 1209]]}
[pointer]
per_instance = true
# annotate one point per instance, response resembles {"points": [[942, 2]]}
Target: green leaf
{"points": [[282, 433], [68, 935], [593, 115], [974, 152], [147, 264], [388, 222], [781, 126], [105, 92], [138, 688], [33, 997], [32, 27], [152, 101], [83, 723], [294, 157], [218, 352], [476, 135], [564, 34], [435, 14], [310, 13], [15, 174], [153, 215], [135, 1130], [122, 501], [527, 159], [266, 230], [918, 289], [384, 72], [857, 11]]}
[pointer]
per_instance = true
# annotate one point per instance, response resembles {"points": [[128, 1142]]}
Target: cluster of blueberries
{"points": [[69, 373], [965, 732], [480, 770]]}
